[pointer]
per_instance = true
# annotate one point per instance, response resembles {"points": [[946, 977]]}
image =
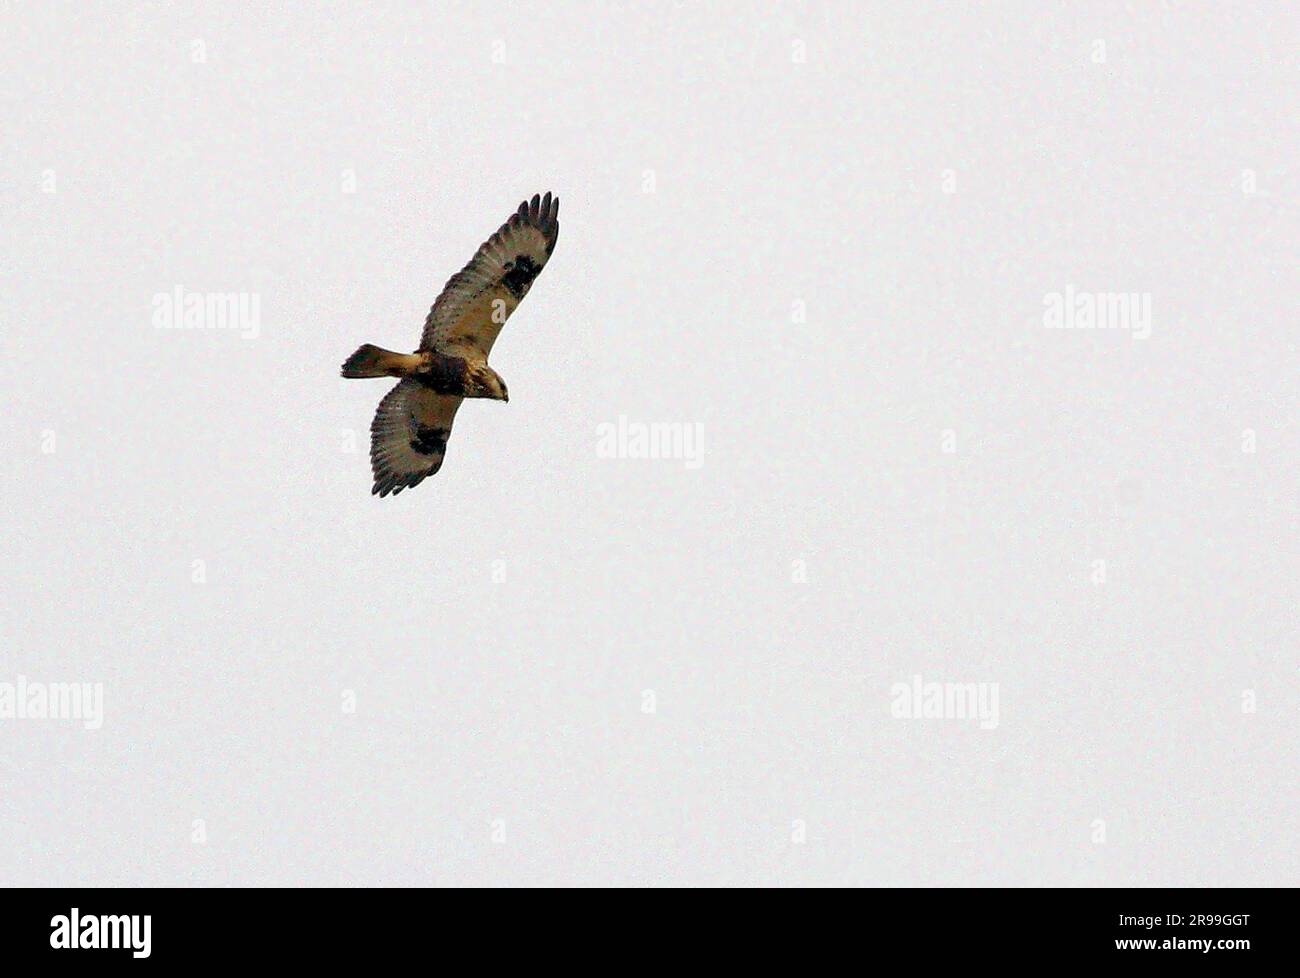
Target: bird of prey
{"points": [[408, 437]]}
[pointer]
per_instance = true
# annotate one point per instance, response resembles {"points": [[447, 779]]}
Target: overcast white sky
{"points": [[828, 236]]}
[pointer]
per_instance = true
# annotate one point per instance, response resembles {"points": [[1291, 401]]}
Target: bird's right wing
{"points": [[408, 437], [475, 303]]}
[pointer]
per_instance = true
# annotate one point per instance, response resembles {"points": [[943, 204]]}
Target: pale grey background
{"points": [[775, 182]]}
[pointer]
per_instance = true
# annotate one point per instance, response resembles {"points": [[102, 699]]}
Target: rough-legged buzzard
{"points": [[408, 437]]}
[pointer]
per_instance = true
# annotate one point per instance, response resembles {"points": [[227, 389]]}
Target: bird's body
{"points": [[408, 438]]}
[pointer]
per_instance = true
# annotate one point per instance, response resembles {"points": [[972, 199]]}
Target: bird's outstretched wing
{"points": [[477, 300], [408, 437]]}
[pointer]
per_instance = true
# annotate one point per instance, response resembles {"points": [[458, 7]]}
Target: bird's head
{"points": [[483, 381]]}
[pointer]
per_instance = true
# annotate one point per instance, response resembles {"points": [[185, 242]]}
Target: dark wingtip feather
{"points": [[542, 212], [392, 484], [539, 208]]}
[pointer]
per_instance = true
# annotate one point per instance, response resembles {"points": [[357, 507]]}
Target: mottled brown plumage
{"points": [[408, 437]]}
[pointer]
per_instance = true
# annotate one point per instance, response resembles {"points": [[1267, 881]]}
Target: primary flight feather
{"points": [[408, 437]]}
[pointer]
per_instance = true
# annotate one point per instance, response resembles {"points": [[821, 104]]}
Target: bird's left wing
{"points": [[475, 303], [408, 437]]}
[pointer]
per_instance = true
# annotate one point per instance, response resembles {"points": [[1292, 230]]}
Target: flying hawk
{"points": [[408, 437]]}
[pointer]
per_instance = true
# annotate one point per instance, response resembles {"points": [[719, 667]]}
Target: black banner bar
{"points": [[141, 929]]}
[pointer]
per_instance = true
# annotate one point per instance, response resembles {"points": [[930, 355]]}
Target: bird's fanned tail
{"points": [[374, 361]]}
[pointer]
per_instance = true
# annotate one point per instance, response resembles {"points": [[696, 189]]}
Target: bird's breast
{"points": [[443, 374]]}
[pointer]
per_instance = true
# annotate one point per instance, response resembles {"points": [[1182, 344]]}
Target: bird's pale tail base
{"points": [[374, 361]]}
